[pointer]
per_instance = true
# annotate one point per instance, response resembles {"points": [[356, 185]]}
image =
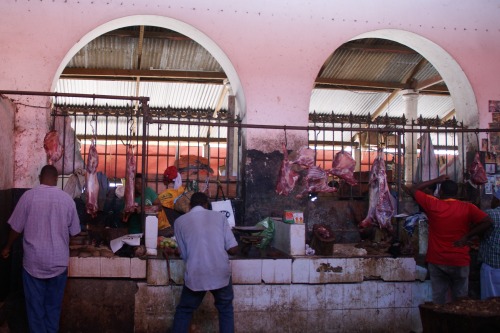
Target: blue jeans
{"points": [[43, 301], [490, 281], [190, 300], [444, 278]]}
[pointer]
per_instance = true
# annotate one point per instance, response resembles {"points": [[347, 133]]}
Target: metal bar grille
{"points": [[363, 137]]}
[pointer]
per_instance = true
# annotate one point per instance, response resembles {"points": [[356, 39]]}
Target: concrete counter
{"points": [[338, 293]]}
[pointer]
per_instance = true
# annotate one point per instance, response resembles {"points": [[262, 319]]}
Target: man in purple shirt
{"points": [[47, 217], [205, 242]]}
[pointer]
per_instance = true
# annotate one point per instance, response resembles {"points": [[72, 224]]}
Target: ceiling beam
{"points": [[400, 49], [340, 84], [429, 82], [360, 83], [92, 73], [408, 81], [218, 78], [166, 34], [449, 115]]}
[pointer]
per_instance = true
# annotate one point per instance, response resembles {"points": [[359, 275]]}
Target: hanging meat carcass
{"points": [[91, 182], [287, 176], [343, 167], [316, 181], [72, 157], [382, 205], [130, 170], [477, 172], [304, 157], [427, 167], [301, 159], [53, 148]]}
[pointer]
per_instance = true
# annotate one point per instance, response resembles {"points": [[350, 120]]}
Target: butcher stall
{"points": [[328, 240]]}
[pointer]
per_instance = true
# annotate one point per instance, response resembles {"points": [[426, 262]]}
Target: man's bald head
{"points": [[48, 175]]}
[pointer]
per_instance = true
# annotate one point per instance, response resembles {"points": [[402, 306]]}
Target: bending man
{"points": [[205, 239]]}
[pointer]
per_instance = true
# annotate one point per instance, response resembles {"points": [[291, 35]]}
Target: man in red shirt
{"points": [[452, 223]]}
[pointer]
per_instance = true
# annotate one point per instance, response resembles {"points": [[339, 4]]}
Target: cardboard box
{"points": [[293, 216]]}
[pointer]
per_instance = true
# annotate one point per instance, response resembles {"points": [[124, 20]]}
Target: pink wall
{"points": [[275, 47]]}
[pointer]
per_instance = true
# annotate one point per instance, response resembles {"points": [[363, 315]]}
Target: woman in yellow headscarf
{"points": [[167, 198]]}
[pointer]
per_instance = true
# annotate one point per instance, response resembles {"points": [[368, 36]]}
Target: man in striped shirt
{"points": [[46, 217], [489, 253]]}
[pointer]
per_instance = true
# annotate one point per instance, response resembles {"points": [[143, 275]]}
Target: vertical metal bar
{"points": [[188, 180], [230, 147], [402, 153], [117, 120], [325, 165], [413, 136], [456, 145], [64, 146], [145, 115], [169, 163], [239, 169], [446, 153], [360, 158], [464, 154], [397, 164], [106, 118], [85, 140], [227, 160], [75, 140], [178, 148], [199, 152], [429, 151], [352, 150], [157, 177]]}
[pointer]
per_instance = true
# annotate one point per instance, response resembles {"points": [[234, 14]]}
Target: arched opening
{"points": [[393, 79], [461, 92], [193, 90], [170, 24]]}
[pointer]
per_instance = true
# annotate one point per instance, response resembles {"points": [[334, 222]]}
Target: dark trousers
{"points": [[190, 300], [444, 278], [43, 301]]}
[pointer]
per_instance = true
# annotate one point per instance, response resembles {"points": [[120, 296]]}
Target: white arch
{"points": [[167, 23], [459, 86]]}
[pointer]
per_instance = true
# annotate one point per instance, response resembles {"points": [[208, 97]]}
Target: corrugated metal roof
{"points": [[356, 62], [351, 64], [161, 94], [121, 52], [358, 103]]}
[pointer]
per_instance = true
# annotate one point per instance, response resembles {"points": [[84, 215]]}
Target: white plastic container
{"points": [[151, 236]]}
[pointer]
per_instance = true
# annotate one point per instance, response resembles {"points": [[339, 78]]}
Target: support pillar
{"points": [[410, 98]]}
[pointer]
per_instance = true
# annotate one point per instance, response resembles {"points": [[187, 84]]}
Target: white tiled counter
{"points": [[303, 294], [102, 267], [308, 270], [351, 293]]}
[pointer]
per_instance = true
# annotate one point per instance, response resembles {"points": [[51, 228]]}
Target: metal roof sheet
{"points": [[367, 60]]}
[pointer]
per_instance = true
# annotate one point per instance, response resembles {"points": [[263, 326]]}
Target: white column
{"points": [[410, 98]]}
